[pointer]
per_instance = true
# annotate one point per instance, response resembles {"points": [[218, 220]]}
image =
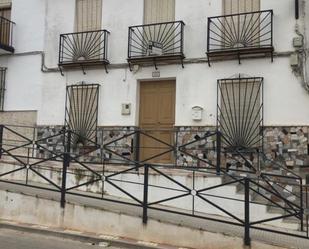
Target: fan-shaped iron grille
{"points": [[160, 39], [81, 113], [240, 112], [83, 47], [240, 31]]}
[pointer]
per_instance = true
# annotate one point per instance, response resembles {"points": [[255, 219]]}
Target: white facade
{"points": [[40, 22]]}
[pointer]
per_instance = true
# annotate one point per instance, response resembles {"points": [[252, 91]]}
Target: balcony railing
{"points": [[155, 42], [240, 34], [83, 48], [6, 35]]}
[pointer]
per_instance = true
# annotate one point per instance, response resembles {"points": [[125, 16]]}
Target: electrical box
{"points": [[294, 60], [297, 42], [126, 109], [197, 113]]}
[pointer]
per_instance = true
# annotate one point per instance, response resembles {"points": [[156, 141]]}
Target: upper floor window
{"points": [[5, 9], [88, 15], [157, 11], [5, 12], [240, 6]]}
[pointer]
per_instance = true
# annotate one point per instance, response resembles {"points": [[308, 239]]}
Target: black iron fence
{"points": [[6, 34], [156, 40], [83, 48], [194, 191], [245, 33]]}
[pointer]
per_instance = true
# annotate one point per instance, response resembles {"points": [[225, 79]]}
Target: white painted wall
{"points": [[59, 19], [40, 22], [24, 83], [29, 30]]}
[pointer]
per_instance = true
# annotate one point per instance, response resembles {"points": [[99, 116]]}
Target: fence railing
{"points": [[6, 34], [156, 40], [151, 185], [90, 47]]}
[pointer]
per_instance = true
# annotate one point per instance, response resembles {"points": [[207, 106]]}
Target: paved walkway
{"points": [[197, 223]]}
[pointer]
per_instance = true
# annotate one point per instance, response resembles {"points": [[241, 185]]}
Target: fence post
{"points": [[137, 149], [247, 240], [1, 140], [145, 201], [66, 164], [218, 166], [301, 206]]}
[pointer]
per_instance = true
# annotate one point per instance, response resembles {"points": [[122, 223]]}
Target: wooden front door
{"points": [[157, 119]]}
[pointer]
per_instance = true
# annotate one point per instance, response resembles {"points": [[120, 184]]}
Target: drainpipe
{"points": [[296, 9], [301, 50], [305, 14], [44, 68]]}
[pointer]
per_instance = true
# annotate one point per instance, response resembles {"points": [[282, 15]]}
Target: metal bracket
{"points": [[239, 62], [130, 66], [208, 60], [155, 64], [182, 65], [83, 69], [61, 71], [105, 66]]}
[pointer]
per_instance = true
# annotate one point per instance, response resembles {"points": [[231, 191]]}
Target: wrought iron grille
{"points": [[83, 48], [156, 40], [240, 112], [2, 87], [243, 33], [81, 113], [6, 34]]}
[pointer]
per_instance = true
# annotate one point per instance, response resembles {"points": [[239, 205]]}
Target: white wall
{"points": [[29, 31], [59, 19], [40, 22], [23, 83]]}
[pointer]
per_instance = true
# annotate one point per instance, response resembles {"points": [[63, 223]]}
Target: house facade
{"points": [[104, 68]]}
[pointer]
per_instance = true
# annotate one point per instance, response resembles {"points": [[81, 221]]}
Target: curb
{"points": [[81, 237]]}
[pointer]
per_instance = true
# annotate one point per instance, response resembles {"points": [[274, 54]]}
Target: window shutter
{"points": [[240, 6], [88, 15], [5, 27], [5, 3], [156, 11]]}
